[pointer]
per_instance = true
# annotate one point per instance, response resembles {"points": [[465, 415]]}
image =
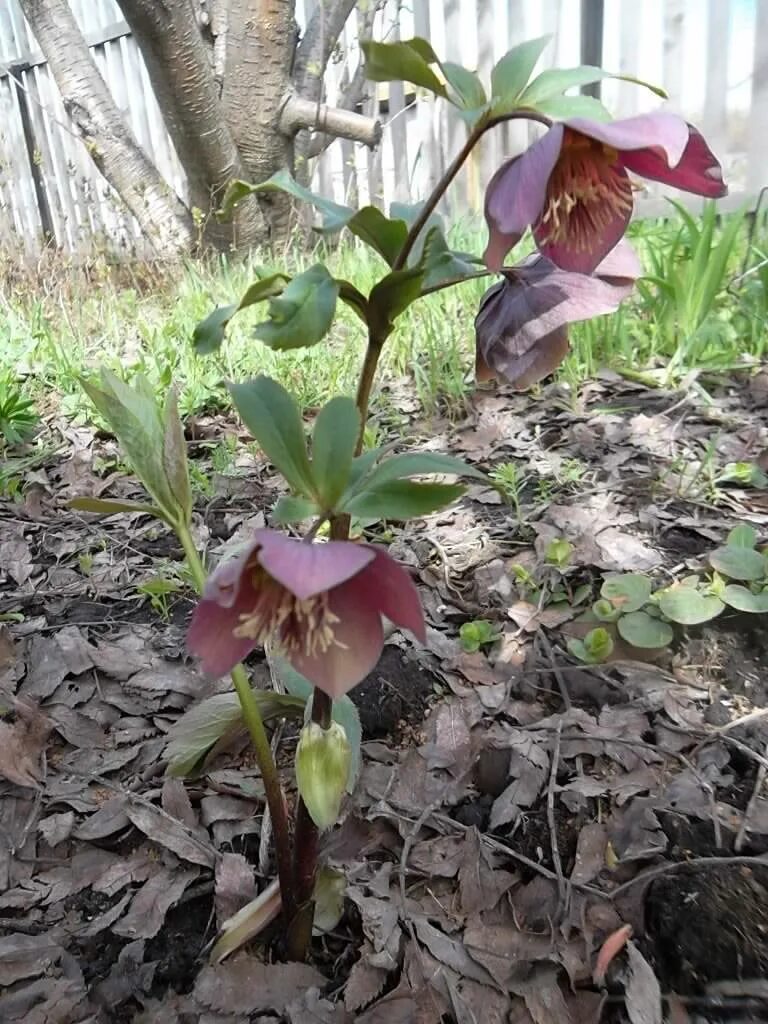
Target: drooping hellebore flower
{"points": [[521, 329], [572, 187], [321, 604]]}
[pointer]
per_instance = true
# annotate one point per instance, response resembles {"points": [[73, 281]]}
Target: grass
{"points": [[703, 305]]}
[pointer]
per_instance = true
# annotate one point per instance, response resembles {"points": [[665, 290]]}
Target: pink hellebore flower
{"points": [[573, 187], [521, 329], [321, 603]]}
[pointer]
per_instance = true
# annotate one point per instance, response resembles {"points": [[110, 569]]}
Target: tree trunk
{"points": [[183, 79], [161, 215], [261, 43]]}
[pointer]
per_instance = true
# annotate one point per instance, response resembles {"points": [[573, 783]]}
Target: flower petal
{"points": [[223, 584], [697, 170], [515, 195], [589, 235], [521, 329], [211, 634], [307, 569], [663, 132], [621, 264], [392, 590], [359, 636]]}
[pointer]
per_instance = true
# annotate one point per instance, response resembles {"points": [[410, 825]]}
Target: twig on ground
{"points": [[543, 640], [762, 771], [678, 865], [562, 884]]}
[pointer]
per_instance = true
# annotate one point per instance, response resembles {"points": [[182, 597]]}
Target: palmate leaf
{"points": [[406, 61], [274, 420], [556, 81], [385, 235], [209, 333], [303, 312], [333, 447]]}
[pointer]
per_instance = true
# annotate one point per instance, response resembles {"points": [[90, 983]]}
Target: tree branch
{"points": [[353, 96], [346, 124], [314, 50]]}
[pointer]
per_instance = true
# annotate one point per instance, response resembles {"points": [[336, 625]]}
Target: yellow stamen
{"points": [[299, 626], [587, 190]]}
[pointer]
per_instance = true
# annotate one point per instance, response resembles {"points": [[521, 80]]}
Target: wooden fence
{"points": [[710, 55]]}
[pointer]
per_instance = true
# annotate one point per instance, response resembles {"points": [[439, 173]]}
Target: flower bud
{"points": [[323, 758]]}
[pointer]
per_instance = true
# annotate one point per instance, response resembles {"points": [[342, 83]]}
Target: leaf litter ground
{"points": [[531, 839]]}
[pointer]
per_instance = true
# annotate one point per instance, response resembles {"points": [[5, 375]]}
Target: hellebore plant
{"points": [[320, 608]]}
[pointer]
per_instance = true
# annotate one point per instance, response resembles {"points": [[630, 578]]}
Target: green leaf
{"points": [[355, 299], [333, 445], [742, 536], [555, 81], [209, 333], [203, 725], [596, 646], [328, 897], [406, 61], [470, 94], [108, 507], [689, 606], [291, 508], [410, 212], [384, 235], [628, 592], [511, 74], [739, 563], [559, 552], [135, 417], [175, 457], [442, 264], [303, 313], [392, 296], [561, 107], [743, 600], [408, 464], [642, 630], [473, 635], [344, 711], [605, 611], [335, 216], [402, 499], [274, 420]]}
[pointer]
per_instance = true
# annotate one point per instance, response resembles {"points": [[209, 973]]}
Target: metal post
{"points": [[43, 207], [592, 40]]}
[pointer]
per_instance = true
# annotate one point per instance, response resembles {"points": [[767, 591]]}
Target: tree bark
{"points": [[261, 43], [183, 79], [161, 215]]}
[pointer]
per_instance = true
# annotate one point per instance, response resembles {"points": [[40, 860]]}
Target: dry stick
{"points": [[762, 771], [543, 639], [562, 885]]}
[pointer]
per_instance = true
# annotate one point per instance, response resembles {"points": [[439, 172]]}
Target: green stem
{"points": [[253, 720], [452, 170], [365, 384]]}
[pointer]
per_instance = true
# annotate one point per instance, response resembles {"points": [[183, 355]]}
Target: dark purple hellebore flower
{"points": [[572, 187], [321, 604], [521, 329]]}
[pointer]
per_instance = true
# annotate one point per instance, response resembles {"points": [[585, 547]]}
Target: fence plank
{"points": [[758, 136]]}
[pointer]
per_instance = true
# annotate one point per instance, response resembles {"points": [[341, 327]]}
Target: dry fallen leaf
{"points": [[642, 997], [22, 744]]}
